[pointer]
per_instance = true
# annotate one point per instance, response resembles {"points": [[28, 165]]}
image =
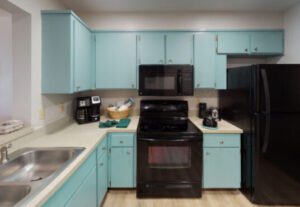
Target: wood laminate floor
{"points": [[127, 198]]}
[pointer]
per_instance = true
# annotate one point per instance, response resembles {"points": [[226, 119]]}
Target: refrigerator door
{"points": [[279, 88], [276, 177]]}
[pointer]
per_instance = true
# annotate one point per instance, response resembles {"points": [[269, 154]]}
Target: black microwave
{"points": [[166, 80]]}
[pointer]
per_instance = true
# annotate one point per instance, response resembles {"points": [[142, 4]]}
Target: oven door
{"points": [[169, 160]]}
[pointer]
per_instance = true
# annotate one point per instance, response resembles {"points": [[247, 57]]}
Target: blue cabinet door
{"points": [[102, 178], [221, 72], [82, 57], [57, 72], [267, 43], [179, 48], [86, 194], [151, 48], [233, 43], [65, 192], [122, 167], [205, 60], [221, 168], [116, 66]]}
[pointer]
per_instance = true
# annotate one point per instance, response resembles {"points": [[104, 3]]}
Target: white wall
{"points": [[43, 109], [21, 38], [183, 21], [6, 75], [292, 34]]}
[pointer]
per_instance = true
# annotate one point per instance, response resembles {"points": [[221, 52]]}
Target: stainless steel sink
{"points": [[29, 170], [31, 165], [12, 194]]}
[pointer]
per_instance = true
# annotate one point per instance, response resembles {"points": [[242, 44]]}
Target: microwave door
{"points": [[179, 82]]}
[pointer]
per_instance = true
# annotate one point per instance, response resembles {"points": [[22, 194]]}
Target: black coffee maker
{"points": [[87, 109]]}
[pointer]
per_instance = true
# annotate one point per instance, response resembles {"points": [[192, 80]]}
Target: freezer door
{"points": [[277, 157], [279, 88]]}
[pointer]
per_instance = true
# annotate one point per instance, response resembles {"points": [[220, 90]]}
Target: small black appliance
{"points": [[202, 110], [87, 109], [211, 118]]}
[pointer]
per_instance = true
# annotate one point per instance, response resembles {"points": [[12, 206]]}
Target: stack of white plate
{"points": [[10, 126]]}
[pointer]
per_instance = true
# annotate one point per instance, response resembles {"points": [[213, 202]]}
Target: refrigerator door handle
{"points": [[267, 112]]}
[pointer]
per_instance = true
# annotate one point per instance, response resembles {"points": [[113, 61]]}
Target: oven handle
{"points": [[169, 140]]}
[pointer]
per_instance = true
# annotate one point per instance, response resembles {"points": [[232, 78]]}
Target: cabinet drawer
{"points": [[121, 140], [102, 148], [221, 140]]}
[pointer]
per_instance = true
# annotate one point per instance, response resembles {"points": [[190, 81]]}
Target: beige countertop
{"points": [[89, 136], [224, 127]]}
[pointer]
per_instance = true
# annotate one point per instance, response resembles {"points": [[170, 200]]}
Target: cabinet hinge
{"points": [[109, 183]]}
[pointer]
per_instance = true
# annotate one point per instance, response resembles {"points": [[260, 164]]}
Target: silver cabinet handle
{"points": [[121, 142], [256, 49], [170, 61], [128, 153], [221, 142], [132, 85], [246, 50]]}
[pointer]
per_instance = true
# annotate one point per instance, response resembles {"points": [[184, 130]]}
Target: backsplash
{"points": [[114, 96]]}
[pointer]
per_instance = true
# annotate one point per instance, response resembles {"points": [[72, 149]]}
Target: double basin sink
{"points": [[29, 170]]}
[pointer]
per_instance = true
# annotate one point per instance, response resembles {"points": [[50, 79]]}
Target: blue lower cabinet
{"points": [[86, 194], [122, 160], [102, 178], [121, 171], [65, 192], [221, 161], [222, 168]]}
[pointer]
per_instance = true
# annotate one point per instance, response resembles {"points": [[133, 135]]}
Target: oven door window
{"points": [[169, 157]]}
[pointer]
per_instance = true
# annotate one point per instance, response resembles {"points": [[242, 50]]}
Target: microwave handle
{"points": [[179, 82]]}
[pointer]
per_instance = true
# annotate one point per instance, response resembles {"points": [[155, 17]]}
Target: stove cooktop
{"points": [[163, 126]]}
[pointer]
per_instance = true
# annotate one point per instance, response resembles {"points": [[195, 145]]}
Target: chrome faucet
{"points": [[4, 153]]}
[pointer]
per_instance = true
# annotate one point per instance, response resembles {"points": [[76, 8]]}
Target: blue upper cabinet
{"points": [[151, 48], [210, 67], [116, 60], [267, 43], [233, 43], [83, 54], [262, 43], [221, 72], [205, 60], [179, 48], [66, 53]]}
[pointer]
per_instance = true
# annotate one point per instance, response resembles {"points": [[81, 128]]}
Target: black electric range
{"points": [[169, 160]]}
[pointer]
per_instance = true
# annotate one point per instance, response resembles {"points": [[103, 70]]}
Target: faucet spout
{"points": [[4, 153]]}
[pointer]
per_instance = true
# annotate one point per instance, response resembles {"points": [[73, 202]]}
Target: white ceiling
{"points": [[177, 5]]}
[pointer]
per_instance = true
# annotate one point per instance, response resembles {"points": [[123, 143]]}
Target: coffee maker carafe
{"points": [[87, 109]]}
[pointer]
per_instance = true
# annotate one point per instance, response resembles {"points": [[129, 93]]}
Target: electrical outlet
{"points": [[62, 107], [42, 114]]}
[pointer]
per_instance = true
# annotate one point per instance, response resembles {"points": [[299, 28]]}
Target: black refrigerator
{"points": [[264, 100]]}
